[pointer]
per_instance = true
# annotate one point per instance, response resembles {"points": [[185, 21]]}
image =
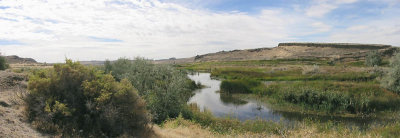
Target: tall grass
{"points": [[332, 97], [288, 75]]}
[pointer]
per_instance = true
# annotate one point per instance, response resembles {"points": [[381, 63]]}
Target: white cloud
{"points": [[385, 31], [321, 7], [320, 10], [321, 27], [109, 29], [54, 29]]}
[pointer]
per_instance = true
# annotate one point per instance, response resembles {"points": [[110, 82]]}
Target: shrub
{"points": [[3, 63], [165, 89], [391, 80], [238, 86], [311, 69], [373, 58], [75, 100], [330, 101]]}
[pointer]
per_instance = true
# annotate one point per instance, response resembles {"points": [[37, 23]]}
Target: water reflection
{"points": [[222, 105], [228, 99]]}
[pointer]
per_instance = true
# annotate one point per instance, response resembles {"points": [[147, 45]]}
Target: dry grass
{"points": [[186, 129], [180, 128], [31, 65]]}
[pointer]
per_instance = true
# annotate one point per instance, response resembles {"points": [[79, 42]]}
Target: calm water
{"points": [[222, 105]]}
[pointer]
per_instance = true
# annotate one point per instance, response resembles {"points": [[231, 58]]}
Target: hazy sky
{"points": [[50, 30]]}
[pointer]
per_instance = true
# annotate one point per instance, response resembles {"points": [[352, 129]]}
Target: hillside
{"points": [[18, 60], [347, 51]]}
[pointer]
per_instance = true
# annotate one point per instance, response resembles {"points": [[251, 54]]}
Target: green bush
{"points": [[238, 86], [313, 99], [75, 101], [373, 58], [3, 63], [391, 79], [165, 89]]}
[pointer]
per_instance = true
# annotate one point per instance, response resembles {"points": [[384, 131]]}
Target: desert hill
{"points": [[18, 60], [346, 51]]}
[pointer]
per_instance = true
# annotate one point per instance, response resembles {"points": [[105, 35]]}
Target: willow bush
{"points": [[165, 89], [74, 100], [373, 58]]}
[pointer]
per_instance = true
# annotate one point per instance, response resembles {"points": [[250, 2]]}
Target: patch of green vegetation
{"points": [[238, 86], [78, 101], [3, 63], [373, 58], [391, 80], [331, 97], [293, 74], [165, 88], [357, 64], [387, 131]]}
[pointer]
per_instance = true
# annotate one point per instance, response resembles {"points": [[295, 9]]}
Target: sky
{"points": [[52, 30]]}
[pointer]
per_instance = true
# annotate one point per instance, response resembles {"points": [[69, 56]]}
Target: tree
{"points": [[80, 101], [391, 80], [3, 63], [373, 58]]}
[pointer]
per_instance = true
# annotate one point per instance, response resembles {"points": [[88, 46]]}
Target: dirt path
{"points": [[12, 120]]}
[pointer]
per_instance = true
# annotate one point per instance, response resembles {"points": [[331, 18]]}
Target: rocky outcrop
{"points": [[338, 45]]}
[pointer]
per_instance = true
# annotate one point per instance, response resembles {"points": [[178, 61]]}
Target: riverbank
{"points": [[204, 124]]}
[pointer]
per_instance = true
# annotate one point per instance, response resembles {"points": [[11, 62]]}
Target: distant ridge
{"points": [[18, 60], [293, 50]]}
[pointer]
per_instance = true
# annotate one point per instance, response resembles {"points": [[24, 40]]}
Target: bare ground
{"points": [[12, 119]]}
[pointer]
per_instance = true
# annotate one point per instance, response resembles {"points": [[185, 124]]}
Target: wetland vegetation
{"points": [[364, 88]]}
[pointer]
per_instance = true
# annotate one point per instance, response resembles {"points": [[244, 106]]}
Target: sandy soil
{"points": [[12, 120]]}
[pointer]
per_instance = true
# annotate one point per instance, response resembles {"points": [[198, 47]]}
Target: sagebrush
{"points": [[74, 100]]}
